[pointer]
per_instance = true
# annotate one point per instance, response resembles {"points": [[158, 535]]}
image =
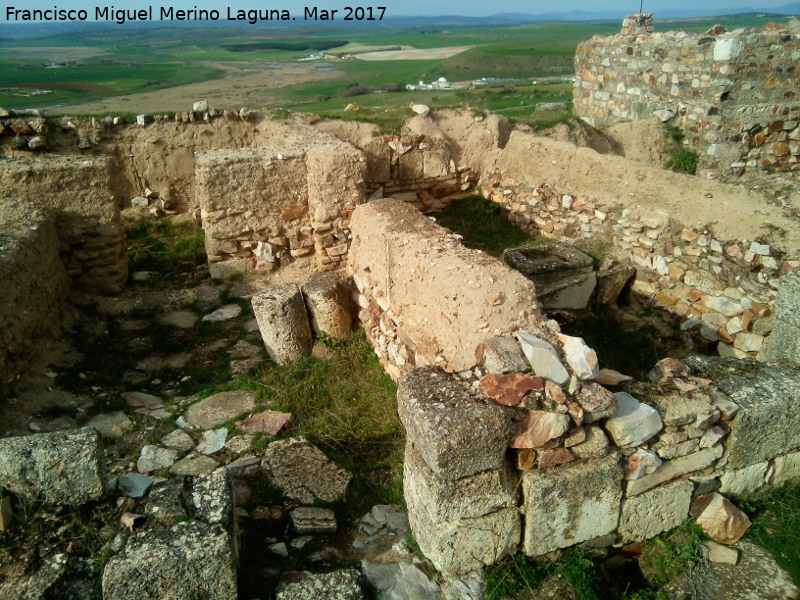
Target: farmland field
{"points": [[164, 69]]}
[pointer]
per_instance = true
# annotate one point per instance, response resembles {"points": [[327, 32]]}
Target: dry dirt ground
{"points": [[414, 54], [244, 84]]}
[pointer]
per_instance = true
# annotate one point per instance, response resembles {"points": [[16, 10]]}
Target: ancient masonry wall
{"points": [[526, 445], [735, 93], [722, 291], [89, 229], [33, 284]]}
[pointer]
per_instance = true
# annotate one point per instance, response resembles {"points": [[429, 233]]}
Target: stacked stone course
{"points": [[734, 93]]}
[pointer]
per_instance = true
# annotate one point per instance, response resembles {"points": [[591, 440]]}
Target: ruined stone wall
{"points": [[263, 208], [90, 237], [723, 291], [33, 286], [735, 94], [424, 298]]}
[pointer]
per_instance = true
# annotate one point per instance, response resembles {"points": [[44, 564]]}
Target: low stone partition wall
{"points": [[722, 290], [90, 236], [515, 462], [427, 300], [33, 285], [263, 208]]}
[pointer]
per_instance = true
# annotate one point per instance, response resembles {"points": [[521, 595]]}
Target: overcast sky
{"points": [[407, 7]]}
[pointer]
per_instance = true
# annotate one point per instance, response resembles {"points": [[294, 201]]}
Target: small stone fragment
{"points": [[539, 427], [310, 519], [634, 423], [508, 390], [178, 440], [194, 464], [641, 463], [580, 357], [611, 377], [501, 355], [552, 457], [154, 458], [718, 553], [667, 368], [213, 441], [543, 358], [134, 485], [268, 421], [720, 519], [223, 313]]}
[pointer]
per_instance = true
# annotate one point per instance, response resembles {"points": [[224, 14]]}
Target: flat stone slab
{"points": [[268, 421], [110, 425], [310, 519], [64, 467], [189, 560], [303, 472], [344, 584], [219, 408], [194, 464]]}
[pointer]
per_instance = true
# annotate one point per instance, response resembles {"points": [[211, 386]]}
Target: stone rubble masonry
{"points": [[456, 433], [266, 207], [655, 511], [65, 467], [570, 504], [283, 322], [424, 298], [735, 93]]}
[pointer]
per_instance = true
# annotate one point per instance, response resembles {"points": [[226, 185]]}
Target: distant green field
{"points": [[130, 61]]}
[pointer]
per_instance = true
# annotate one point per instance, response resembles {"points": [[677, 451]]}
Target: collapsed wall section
{"points": [[425, 299], [735, 93], [33, 285], [264, 208]]}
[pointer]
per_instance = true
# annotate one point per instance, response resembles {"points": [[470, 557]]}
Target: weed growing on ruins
{"points": [[776, 525], [164, 246], [483, 225], [684, 161], [670, 554]]}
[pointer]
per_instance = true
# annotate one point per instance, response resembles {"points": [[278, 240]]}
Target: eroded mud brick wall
{"points": [[263, 208], [77, 191], [735, 93]]}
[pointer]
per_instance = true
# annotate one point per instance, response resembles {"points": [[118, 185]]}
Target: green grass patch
{"points": [[625, 347], [684, 161], [165, 246], [483, 225], [667, 556], [776, 525]]}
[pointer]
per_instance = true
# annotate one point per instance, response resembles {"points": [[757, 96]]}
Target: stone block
{"points": [[655, 511], [787, 468], [65, 467], [784, 343], [451, 500], [189, 560], [219, 408], [460, 547], [677, 409], [303, 472], [456, 433], [311, 519], [344, 584], [570, 504], [328, 302], [745, 480], [594, 446], [283, 322], [212, 497], [768, 422]]}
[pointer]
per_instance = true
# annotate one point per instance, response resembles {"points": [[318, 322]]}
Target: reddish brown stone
{"points": [[508, 390], [595, 400], [554, 393], [290, 212], [611, 377], [553, 457], [759, 139], [269, 421], [781, 149], [526, 459], [21, 127]]}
